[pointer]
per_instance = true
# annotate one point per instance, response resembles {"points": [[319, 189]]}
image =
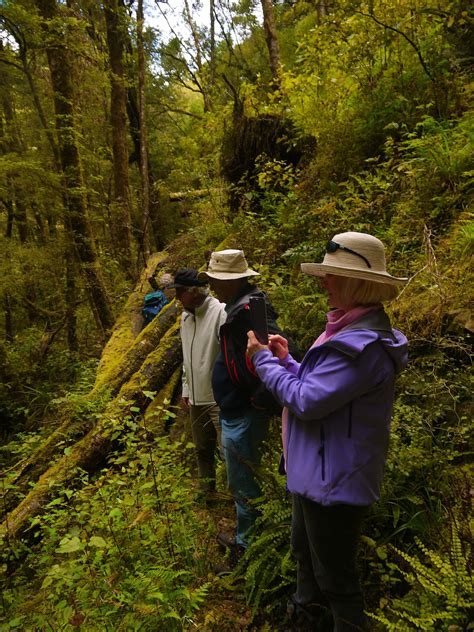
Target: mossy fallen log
{"points": [[192, 194], [156, 415], [156, 374], [128, 323], [122, 357], [120, 366], [127, 336], [72, 426]]}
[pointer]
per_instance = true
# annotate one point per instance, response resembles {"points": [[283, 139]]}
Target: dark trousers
{"points": [[204, 421], [324, 543]]}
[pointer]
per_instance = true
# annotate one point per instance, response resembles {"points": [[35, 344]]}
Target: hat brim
{"points": [[227, 276], [321, 269]]}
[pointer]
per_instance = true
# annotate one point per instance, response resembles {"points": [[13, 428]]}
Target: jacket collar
{"points": [[241, 300], [198, 310], [353, 339]]}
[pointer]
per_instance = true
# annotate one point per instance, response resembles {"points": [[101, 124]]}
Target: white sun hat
{"points": [[356, 255], [226, 265]]}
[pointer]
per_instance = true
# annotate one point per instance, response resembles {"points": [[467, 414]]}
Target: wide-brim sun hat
{"points": [[354, 255], [226, 265]]}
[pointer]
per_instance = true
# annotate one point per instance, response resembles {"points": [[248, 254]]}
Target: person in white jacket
{"points": [[201, 320]]}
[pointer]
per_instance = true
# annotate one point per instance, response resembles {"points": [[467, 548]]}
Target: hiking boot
{"points": [[226, 540], [231, 560], [300, 618]]}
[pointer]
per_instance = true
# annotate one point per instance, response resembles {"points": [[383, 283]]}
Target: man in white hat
{"points": [[245, 405]]}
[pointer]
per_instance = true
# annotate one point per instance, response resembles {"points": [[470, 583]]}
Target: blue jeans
{"points": [[242, 440]]}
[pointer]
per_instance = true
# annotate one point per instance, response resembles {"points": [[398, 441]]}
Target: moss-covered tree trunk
{"points": [[127, 366], [271, 37], [157, 373], [115, 24], [76, 220]]}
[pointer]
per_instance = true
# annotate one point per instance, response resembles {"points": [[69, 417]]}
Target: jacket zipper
{"points": [[191, 360], [323, 456], [349, 425]]}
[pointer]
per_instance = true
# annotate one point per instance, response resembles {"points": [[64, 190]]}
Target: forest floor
{"points": [[225, 608]]}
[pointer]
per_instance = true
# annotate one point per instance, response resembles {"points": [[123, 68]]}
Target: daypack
{"points": [[153, 303]]}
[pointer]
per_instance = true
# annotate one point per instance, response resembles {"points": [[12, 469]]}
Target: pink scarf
{"points": [[337, 320]]}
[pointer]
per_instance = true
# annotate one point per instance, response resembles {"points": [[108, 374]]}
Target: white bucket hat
{"points": [[226, 265], [356, 255]]}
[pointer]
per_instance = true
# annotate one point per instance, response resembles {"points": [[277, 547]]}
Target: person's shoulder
{"points": [[186, 317], [213, 304]]}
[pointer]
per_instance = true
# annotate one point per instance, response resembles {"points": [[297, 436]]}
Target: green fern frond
{"points": [[442, 589]]}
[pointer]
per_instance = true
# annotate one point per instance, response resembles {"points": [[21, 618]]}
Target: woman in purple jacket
{"points": [[336, 424]]}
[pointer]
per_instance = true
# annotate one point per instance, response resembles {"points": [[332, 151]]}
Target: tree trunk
{"points": [[7, 310], [155, 216], [201, 82], [212, 45], [269, 26], [11, 143], [121, 228], [21, 218], [145, 197], [9, 224], [322, 9], [71, 320], [76, 221], [40, 112]]}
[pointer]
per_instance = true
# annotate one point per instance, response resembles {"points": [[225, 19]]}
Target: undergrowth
{"points": [[124, 551]]}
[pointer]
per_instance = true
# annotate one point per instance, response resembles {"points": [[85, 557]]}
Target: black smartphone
{"points": [[258, 318]]}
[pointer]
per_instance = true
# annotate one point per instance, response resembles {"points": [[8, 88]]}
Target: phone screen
{"points": [[258, 317]]}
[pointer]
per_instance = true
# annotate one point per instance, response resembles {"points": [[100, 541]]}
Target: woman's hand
{"points": [[278, 346], [253, 345]]}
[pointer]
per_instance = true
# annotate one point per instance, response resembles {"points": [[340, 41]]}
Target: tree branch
{"points": [[10, 63], [167, 108], [405, 36], [191, 73]]}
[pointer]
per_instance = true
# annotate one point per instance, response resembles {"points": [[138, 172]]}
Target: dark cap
{"points": [[187, 277]]}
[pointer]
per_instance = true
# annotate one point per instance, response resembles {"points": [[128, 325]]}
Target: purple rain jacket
{"points": [[340, 405]]}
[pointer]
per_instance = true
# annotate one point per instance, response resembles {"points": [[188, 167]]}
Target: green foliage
{"points": [[438, 166], [362, 74], [380, 100], [268, 566], [440, 591], [126, 550]]}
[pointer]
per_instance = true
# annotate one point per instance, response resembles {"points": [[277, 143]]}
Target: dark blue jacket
{"points": [[235, 383]]}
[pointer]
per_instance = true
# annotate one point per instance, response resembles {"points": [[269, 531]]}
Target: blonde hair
{"points": [[361, 292]]}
